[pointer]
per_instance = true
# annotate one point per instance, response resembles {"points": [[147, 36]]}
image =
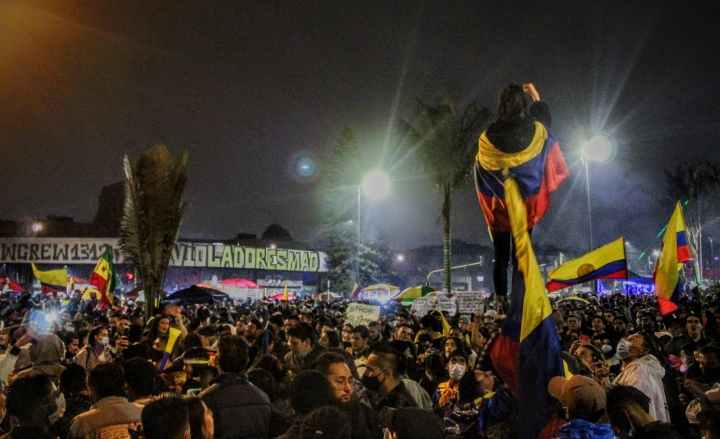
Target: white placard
{"points": [[361, 314], [470, 303], [446, 303], [422, 305]]}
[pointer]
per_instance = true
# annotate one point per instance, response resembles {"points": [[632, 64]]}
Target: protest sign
{"points": [[470, 303], [422, 305], [446, 303], [361, 314]]}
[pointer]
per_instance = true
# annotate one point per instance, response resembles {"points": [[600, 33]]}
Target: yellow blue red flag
{"points": [[538, 170], [674, 252], [51, 280], [606, 262], [527, 353]]}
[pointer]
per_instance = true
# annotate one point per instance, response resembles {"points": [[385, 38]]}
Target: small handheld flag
{"points": [[173, 334]]}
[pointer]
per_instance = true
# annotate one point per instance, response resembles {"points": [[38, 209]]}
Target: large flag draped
{"points": [[674, 252], [539, 169], [105, 279], [606, 262], [51, 280], [527, 353]]}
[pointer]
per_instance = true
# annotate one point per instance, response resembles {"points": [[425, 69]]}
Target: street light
{"points": [[598, 149], [375, 185]]}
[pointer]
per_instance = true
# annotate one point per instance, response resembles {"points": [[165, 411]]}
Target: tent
{"points": [[379, 292], [329, 295], [414, 292], [239, 283], [197, 294], [280, 297]]}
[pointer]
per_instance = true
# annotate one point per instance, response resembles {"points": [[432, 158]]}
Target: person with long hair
{"points": [[518, 140], [96, 349]]}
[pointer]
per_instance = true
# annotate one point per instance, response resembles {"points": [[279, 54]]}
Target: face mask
{"points": [[105, 341], [606, 348], [392, 324], [69, 328], [372, 383], [457, 371], [623, 349]]}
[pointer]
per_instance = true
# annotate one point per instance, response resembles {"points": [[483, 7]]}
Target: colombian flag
{"points": [[674, 252], [104, 279], [527, 353], [606, 262], [52, 280], [539, 170]]}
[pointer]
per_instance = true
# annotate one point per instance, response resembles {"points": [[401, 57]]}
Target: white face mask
{"points": [[607, 348], [623, 349], [105, 341], [456, 371]]}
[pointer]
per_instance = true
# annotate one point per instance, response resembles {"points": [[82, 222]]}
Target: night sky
{"points": [[248, 87]]}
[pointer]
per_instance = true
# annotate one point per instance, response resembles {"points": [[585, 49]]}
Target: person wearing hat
{"points": [[584, 403], [704, 411]]}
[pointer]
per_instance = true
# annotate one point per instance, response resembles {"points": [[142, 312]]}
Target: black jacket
{"points": [[515, 135], [240, 410]]}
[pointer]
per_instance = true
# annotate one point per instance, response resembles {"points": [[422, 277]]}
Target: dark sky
{"points": [[247, 86]]}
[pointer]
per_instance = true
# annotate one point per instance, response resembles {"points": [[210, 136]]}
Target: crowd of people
{"points": [[296, 369]]}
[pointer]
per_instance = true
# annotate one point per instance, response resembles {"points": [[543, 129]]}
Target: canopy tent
{"points": [[239, 283], [379, 292], [329, 295], [281, 296], [197, 294], [414, 293]]}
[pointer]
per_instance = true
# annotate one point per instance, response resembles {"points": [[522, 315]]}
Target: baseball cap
{"points": [[490, 313], [583, 397]]}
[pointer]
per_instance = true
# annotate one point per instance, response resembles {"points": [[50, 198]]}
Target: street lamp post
{"points": [[712, 258], [375, 185], [598, 149]]}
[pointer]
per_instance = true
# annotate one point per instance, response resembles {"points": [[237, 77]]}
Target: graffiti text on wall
{"points": [[185, 254], [238, 256]]}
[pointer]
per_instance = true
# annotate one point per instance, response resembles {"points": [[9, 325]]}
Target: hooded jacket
{"points": [[579, 429], [645, 374]]}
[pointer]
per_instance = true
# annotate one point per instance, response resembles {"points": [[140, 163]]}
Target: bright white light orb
{"points": [[598, 149], [376, 185]]}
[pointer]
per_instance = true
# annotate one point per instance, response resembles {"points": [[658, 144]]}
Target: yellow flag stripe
{"points": [[536, 306], [493, 159]]}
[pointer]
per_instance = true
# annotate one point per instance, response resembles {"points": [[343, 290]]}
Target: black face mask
{"points": [[372, 383]]}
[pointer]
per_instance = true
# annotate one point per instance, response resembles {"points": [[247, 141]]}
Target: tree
{"points": [[342, 170], [276, 232], [695, 186], [152, 214], [446, 144]]}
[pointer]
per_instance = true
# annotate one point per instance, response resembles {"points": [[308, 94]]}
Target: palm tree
{"points": [[695, 185], [153, 211], [446, 143]]}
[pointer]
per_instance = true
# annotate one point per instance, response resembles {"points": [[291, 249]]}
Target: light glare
{"points": [[598, 149], [376, 185]]}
